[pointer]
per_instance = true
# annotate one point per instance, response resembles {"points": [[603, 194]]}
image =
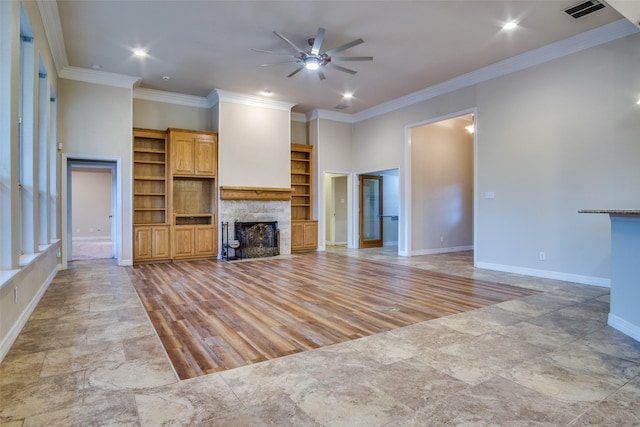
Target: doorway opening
{"points": [[91, 219], [441, 211], [336, 209], [379, 197]]}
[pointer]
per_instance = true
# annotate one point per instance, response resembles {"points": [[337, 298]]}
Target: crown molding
{"points": [[331, 115], [53, 31], [218, 95], [577, 43], [98, 77], [170, 98]]}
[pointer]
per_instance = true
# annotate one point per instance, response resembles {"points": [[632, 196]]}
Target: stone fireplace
{"points": [[242, 207]]}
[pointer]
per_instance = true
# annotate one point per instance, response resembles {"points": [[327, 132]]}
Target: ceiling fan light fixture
{"points": [[139, 52], [312, 63]]}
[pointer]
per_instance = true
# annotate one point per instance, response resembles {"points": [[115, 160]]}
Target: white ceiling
{"points": [[206, 45]]}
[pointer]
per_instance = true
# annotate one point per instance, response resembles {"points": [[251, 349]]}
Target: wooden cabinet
{"points": [[304, 235], [193, 153], [194, 240], [304, 230], [150, 207], [150, 243], [174, 194]]}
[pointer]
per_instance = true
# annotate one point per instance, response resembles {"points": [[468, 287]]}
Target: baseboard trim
{"points": [[624, 326], [546, 274], [11, 337], [441, 250]]}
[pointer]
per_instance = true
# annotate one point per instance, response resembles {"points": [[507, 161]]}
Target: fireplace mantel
{"points": [[255, 193]]}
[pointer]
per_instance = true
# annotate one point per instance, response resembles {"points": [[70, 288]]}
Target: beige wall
{"points": [[21, 286], [551, 139], [299, 131], [254, 146], [91, 202], [442, 186], [554, 139], [161, 115], [94, 122]]}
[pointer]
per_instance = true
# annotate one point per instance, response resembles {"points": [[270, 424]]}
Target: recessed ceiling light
{"points": [[638, 102], [510, 25], [348, 95], [166, 77], [140, 53], [266, 92]]}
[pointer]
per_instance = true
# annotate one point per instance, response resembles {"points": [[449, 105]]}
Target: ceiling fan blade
{"points": [[344, 47], [352, 58], [273, 53], [321, 75], [317, 42], [339, 68], [297, 49], [296, 72]]}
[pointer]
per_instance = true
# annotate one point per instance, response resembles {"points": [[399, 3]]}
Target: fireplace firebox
{"points": [[253, 239]]}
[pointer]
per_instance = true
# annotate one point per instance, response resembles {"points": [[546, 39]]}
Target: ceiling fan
{"points": [[314, 58]]}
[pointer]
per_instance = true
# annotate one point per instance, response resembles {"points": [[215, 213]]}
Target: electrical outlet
{"points": [[543, 256]]}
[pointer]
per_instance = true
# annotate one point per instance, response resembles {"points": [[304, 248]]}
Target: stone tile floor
{"points": [[88, 356]]}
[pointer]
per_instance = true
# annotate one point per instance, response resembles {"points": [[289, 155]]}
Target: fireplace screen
{"points": [[257, 239]]}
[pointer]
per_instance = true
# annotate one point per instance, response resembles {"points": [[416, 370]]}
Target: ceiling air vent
{"points": [[584, 8], [341, 107]]}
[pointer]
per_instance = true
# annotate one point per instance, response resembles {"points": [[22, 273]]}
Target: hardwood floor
{"points": [[215, 315]]}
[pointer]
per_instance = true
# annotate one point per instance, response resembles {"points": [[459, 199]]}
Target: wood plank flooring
{"points": [[215, 315]]}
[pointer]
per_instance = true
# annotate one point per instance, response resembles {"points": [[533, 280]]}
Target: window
{"points": [[43, 157], [53, 171], [26, 145]]}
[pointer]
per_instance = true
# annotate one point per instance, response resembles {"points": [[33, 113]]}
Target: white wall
{"points": [[95, 122], [442, 187]]}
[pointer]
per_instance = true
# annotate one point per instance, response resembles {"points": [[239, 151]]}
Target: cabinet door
{"points": [[310, 235], [182, 154], [160, 240], [205, 157], [183, 241], [297, 235], [205, 241], [142, 243]]}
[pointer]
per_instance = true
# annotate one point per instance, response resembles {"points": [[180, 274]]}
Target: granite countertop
{"points": [[612, 211]]}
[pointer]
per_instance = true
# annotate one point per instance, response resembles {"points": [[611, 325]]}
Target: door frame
{"points": [[377, 243], [323, 201], [329, 206], [69, 160], [404, 232]]}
